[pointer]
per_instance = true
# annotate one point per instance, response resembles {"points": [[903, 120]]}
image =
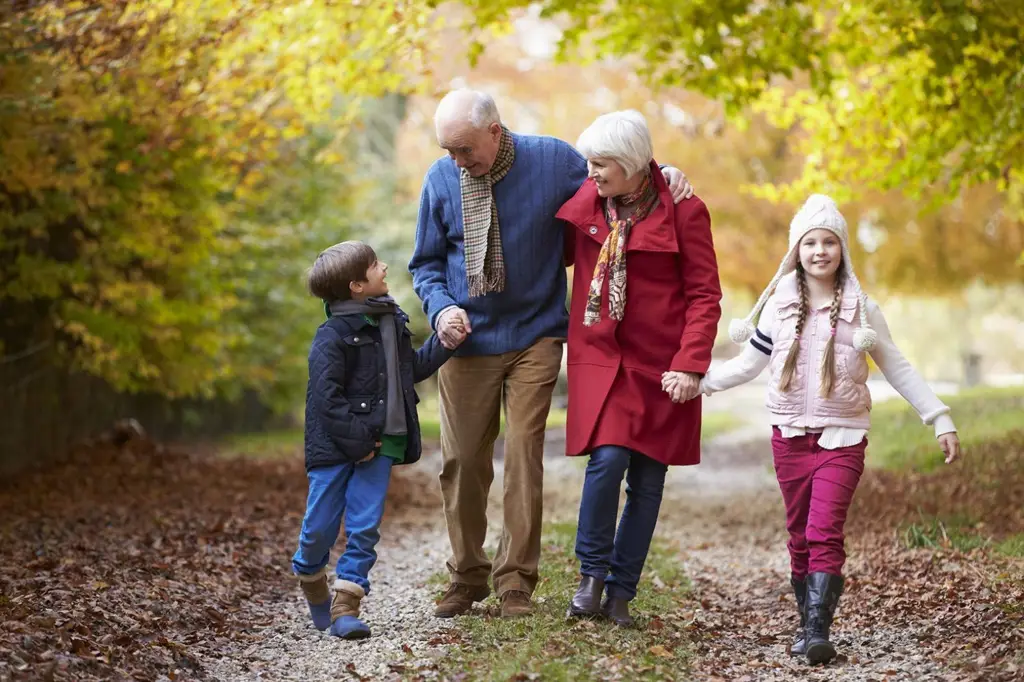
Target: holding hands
{"points": [[681, 386], [453, 327]]}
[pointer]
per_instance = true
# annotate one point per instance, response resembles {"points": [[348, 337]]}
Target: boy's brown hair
{"points": [[337, 267]]}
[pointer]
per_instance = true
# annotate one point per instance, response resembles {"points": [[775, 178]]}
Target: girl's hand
{"points": [[681, 386], [950, 444]]}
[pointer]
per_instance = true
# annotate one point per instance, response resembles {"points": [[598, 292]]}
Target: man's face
{"points": [[471, 148]]}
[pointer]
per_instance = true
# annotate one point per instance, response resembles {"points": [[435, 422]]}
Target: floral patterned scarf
{"points": [[612, 258]]}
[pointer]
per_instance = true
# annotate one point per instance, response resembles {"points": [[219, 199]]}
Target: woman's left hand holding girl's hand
{"points": [[950, 444], [681, 386]]}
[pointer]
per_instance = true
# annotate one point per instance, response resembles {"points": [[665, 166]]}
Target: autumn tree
{"points": [[897, 246], [922, 96], [165, 164]]}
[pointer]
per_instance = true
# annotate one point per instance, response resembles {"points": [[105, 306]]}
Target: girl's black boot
{"points": [[823, 592]]}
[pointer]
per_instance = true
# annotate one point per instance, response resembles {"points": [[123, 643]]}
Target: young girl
{"points": [[814, 327]]}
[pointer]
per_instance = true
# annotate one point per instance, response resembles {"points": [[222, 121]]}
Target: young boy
{"points": [[360, 421]]}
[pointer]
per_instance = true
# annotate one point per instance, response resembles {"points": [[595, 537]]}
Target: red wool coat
{"points": [[670, 322]]}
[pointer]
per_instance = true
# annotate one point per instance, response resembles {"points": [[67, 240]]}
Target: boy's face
{"points": [[374, 285]]}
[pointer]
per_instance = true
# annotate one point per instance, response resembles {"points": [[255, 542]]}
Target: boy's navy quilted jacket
{"points": [[346, 397]]}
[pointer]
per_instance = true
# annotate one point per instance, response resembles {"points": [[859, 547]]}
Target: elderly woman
{"points": [[645, 307]]}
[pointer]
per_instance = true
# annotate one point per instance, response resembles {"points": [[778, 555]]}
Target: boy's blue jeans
{"points": [[356, 491], [618, 557]]}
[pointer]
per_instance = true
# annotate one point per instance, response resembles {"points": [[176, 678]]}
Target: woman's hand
{"points": [[950, 444], [681, 386]]}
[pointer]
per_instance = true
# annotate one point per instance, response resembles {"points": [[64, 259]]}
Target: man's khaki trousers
{"points": [[472, 391]]}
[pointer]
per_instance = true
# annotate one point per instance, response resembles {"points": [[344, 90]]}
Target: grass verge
{"points": [[899, 441], [956, 533], [716, 423], [263, 444], [547, 646]]}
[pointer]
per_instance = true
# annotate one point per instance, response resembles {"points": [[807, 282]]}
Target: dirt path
{"points": [[906, 615], [406, 637], [153, 564]]}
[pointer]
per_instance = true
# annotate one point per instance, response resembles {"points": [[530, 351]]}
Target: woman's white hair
{"points": [[622, 136]]}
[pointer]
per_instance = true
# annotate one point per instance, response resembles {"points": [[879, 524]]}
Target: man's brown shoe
{"points": [[459, 599], [515, 603]]}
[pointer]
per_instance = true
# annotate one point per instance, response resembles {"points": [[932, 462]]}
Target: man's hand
{"points": [[681, 386], [370, 456], [950, 444], [677, 184], [453, 327]]}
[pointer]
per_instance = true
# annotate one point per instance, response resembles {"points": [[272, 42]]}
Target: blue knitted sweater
{"points": [[546, 173]]}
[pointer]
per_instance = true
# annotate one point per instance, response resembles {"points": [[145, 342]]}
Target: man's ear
{"points": [[495, 130]]}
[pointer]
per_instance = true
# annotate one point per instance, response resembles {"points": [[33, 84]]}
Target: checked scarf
{"points": [[485, 262], [612, 258]]}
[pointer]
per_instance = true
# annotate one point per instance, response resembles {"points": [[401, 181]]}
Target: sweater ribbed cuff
{"points": [[944, 424]]}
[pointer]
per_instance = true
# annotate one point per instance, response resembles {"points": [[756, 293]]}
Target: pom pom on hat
{"points": [[864, 338], [740, 331]]}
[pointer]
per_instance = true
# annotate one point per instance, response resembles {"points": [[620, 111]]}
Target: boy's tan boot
{"points": [[347, 596], [345, 611]]}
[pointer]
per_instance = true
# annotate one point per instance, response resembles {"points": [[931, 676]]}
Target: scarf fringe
{"points": [[486, 283]]}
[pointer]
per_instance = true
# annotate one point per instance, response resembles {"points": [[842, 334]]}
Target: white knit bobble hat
{"points": [[819, 211]]}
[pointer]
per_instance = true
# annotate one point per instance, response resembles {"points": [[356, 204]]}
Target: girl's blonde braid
{"points": [[828, 360], [789, 368]]}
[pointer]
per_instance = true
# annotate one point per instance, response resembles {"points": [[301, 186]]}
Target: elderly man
{"points": [[488, 262]]}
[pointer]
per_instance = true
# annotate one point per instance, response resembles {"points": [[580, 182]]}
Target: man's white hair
{"points": [[472, 105], [622, 136]]}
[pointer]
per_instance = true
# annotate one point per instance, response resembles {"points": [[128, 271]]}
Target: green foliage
{"points": [[921, 96], [936, 533], [1012, 546], [899, 441], [548, 646]]}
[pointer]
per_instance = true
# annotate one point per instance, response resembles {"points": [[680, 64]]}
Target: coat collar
{"points": [[347, 324], [353, 322]]}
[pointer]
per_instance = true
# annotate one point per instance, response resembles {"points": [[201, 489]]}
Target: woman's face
{"points": [[821, 254], [609, 177]]}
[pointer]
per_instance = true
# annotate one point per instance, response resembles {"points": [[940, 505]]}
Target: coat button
{"points": [[355, 339], [362, 404], [381, 401], [593, 229]]}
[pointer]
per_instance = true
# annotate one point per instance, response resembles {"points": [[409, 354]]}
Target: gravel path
{"points": [[406, 636], [724, 516]]}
